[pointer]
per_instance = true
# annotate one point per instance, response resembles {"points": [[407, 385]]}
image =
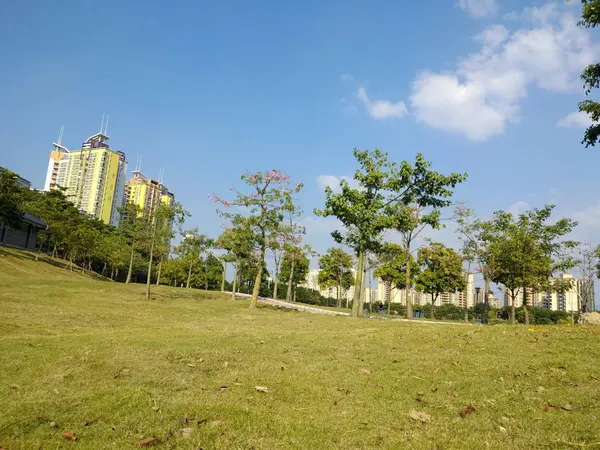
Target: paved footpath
{"points": [[315, 310]]}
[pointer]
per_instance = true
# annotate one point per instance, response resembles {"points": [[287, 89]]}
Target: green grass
{"points": [[113, 368]]}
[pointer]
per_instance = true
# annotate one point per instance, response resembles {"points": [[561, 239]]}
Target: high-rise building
{"points": [[565, 300], [94, 177], [147, 193]]}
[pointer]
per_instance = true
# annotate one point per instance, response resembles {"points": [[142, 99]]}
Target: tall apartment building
{"points": [[385, 293], [569, 300], [312, 282], [147, 193], [94, 177]]}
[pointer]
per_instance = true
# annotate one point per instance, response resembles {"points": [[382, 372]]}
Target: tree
{"points": [[269, 198], [477, 235], [192, 246], [161, 222], [336, 271], [133, 226], [11, 200], [392, 268], [527, 251], [388, 196], [238, 243], [441, 271], [294, 267], [590, 18]]}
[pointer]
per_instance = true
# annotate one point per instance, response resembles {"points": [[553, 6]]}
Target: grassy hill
{"points": [[95, 359]]}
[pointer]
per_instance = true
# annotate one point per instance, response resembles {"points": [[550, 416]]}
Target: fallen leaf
{"points": [[505, 420], [16, 387], [147, 442], [187, 432], [540, 389], [191, 365], [594, 378], [501, 428], [567, 407], [550, 407], [364, 371], [261, 389], [69, 435], [56, 392], [466, 410], [419, 416], [156, 408], [225, 364], [224, 388], [53, 424]]}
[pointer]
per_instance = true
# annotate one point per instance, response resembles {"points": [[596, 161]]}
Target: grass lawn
{"points": [[101, 362]]}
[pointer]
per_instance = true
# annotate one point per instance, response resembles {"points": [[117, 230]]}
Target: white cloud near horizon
{"points": [[333, 181], [483, 95], [381, 109], [579, 119], [479, 8]]}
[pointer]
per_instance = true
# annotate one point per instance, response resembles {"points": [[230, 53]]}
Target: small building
{"points": [[25, 236]]}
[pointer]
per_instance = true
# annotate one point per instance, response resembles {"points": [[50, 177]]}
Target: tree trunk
{"points": [[150, 264], [258, 279], [130, 270], [356, 300], [104, 268], [187, 284], [112, 273], [339, 291], [433, 307], [276, 282], [235, 271], [54, 252], [513, 312], [486, 299], [223, 278], [525, 310], [409, 311], [37, 255], [160, 261], [288, 294], [361, 305], [389, 300], [370, 289]]}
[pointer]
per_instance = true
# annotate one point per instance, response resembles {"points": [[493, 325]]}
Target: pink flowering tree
{"points": [[264, 203]]}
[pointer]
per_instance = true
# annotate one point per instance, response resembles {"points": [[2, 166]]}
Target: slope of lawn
{"points": [[95, 359]]}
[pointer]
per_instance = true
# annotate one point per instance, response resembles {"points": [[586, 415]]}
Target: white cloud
{"points": [[517, 208], [577, 119], [589, 217], [381, 109], [333, 181], [479, 8], [483, 94]]}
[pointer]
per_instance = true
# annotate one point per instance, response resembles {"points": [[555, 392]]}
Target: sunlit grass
{"points": [[103, 363]]}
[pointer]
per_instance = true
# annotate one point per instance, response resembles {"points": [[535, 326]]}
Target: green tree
{"points": [[11, 200], [441, 271], [238, 242], [527, 251], [134, 228], [336, 271], [191, 248], [392, 268], [269, 198], [402, 197], [590, 18], [294, 267], [161, 221]]}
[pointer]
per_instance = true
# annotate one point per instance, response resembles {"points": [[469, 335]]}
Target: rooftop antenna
{"points": [[161, 174], [60, 134], [102, 124], [106, 125]]}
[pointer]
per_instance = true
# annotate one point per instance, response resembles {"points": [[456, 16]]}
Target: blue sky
{"points": [[207, 90]]}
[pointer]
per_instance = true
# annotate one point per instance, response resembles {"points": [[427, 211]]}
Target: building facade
{"points": [[147, 193], [93, 177], [569, 300]]}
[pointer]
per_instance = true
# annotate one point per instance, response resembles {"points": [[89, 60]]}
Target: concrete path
{"points": [[316, 310]]}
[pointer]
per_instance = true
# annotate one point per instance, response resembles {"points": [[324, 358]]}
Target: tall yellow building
{"points": [[93, 177], [147, 193]]}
